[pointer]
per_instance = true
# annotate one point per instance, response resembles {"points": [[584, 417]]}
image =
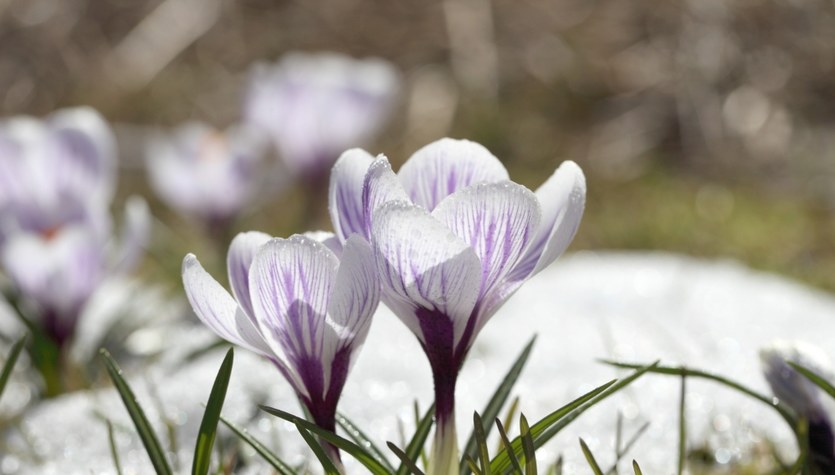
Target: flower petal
{"points": [[345, 193], [290, 283], [328, 239], [380, 186], [218, 310], [356, 293], [563, 199], [135, 234], [422, 264], [497, 220], [442, 167], [239, 259]]}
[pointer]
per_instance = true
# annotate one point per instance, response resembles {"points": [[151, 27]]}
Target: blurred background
{"points": [[704, 126]]}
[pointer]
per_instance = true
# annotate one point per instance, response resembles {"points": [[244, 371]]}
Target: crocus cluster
{"points": [[802, 395], [57, 178], [315, 106], [444, 242]]}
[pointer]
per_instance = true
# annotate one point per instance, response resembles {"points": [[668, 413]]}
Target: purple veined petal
{"points": [[329, 239], [562, 198], [356, 293], [423, 265], [444, 166], [136, 232], [290, 283], [218, 310], [345, 193], [497, 220], [89, 147], [379, 187], [239, 259]]}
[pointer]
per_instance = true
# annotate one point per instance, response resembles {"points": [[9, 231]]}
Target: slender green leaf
{"points": [[143, 427], [346, 445], [208, 426], [271, 458], [10, 362], [527, 446], [514, 461], [819, 381], [786, 413], [472, 465], [114, 452], [636, 468], [553, 423], [682, 426], [362, 440], [319, 451], [498, 400], [481, 442], [595, 468], [411, 468], [415, 446]]}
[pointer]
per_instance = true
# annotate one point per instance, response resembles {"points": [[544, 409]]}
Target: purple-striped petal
{"points": [[379, 187], [290, 283], [423, 265], [88, 150], [330, 240], [239, 259], [562, 199], [218, 310], [345, 193], [356, 293], [497, 220], [442, 167]]}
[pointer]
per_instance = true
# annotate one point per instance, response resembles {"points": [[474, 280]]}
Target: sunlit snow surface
{"points": [[711, 315]]}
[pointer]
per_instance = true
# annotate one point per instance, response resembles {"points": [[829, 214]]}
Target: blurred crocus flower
{"points": [[454, 238], [317, 106], [56, 272], [57, 177], [297, 304], [205, 173], [802, 395], [54, 171]]}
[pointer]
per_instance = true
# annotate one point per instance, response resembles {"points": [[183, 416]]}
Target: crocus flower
{"points": [[803, 396], [56, 272], [54, 171], [297, 304], [453, 240], [205, 173], [316, 106]]}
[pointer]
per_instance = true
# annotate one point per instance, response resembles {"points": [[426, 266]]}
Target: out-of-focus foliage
{"points": [[703, 125]]}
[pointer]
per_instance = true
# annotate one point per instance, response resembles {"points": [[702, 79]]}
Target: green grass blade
{"points": [[471, 463], [595, 468], [415, 446], [262, 450], [514, 461], [10, 362], [553, 423], [682, 426], [481, 443], [114, 453], [819, 381], [500, 395], [319, 451], [636, 468], [342, 443], [527, 446], [362, 440], [208, 426], [411, 468], [143, 427]]}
